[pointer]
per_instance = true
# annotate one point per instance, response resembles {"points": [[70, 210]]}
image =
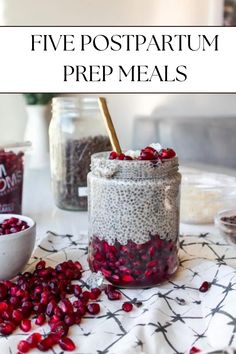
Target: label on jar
{"points": [[11, 181], [83, 191]]}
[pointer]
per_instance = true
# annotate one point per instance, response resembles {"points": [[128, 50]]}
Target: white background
{"points": [[40, 71], [124, 108]]}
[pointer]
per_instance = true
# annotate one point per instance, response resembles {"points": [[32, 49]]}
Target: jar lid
{"points": [[15, 146], [75, 104]]}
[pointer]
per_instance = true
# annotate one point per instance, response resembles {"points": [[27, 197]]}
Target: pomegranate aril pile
{"points": [[44, 296], [12, 225], [134, 264], [11, 181], [148, 153]]}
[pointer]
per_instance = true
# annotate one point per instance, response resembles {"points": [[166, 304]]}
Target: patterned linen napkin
{"points": [[173, 317]]}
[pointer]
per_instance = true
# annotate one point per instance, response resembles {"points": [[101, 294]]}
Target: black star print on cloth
{"points": [[168, 319]]}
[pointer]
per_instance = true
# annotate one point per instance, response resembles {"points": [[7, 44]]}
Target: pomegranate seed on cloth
{"points": [[67, 344], [205, 287], [194, 350], [127, 306], [25, 325], [93, 308], [34, 339], [24, 346]]}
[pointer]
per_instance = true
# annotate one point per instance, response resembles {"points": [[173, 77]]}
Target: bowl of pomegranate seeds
{"points": [[225, 221], [17, 240]]}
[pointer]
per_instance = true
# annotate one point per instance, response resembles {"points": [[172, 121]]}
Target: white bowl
{"points": [[226, 229], [16, 249]]}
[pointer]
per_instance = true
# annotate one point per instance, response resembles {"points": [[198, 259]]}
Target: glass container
{"points": [[204, 194], [76, 132], [133, 220]]}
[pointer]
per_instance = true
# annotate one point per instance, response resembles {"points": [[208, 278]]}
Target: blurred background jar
{"points": [[76, 132]]}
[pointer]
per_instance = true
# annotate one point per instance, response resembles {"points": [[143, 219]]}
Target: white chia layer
{"points": [[130, 200]]}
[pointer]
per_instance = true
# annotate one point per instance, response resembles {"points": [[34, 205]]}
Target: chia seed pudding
{"points": [[134, 218]]}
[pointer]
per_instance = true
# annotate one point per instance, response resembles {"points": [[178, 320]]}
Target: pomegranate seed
{"points": [[38, 308], [127, 278], [20, 293], [78, 265], [58, 312], [77, 290], [50, 308], [17, 316], [40, 265], [65, 306], [93, 308], [34, 339], [45, 298], [3, 292], [95, 293], [69, 319], [81, 308], [25, 325], [54, 319], [40, 320], [7, 328], [204, 287], [85, 296], [14, 301], [13, 291], [127, 157], [194, 350], [23, 346], [46, 344], [113, 155], [167, 153], [112, 293], [60, 328], [146, 155], [67, 344], [121, 156], [127, 306], [3, 306]]}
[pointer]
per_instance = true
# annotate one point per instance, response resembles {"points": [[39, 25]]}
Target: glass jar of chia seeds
{"points": [[76, 132], [133, 220]]}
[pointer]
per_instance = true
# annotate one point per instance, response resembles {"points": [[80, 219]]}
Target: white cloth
{"points": [[173, 317]]}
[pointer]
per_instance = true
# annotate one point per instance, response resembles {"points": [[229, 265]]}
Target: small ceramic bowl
{"points": [[16, 249], [226, 228]]}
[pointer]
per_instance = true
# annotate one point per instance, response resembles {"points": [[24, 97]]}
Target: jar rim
{"points": [[131, 169]]}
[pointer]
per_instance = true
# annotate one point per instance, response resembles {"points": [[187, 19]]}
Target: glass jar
{"points": [[133, 220], [76, 132]]}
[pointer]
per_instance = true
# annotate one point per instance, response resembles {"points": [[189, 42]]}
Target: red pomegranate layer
{"points": [[133, 264]]}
